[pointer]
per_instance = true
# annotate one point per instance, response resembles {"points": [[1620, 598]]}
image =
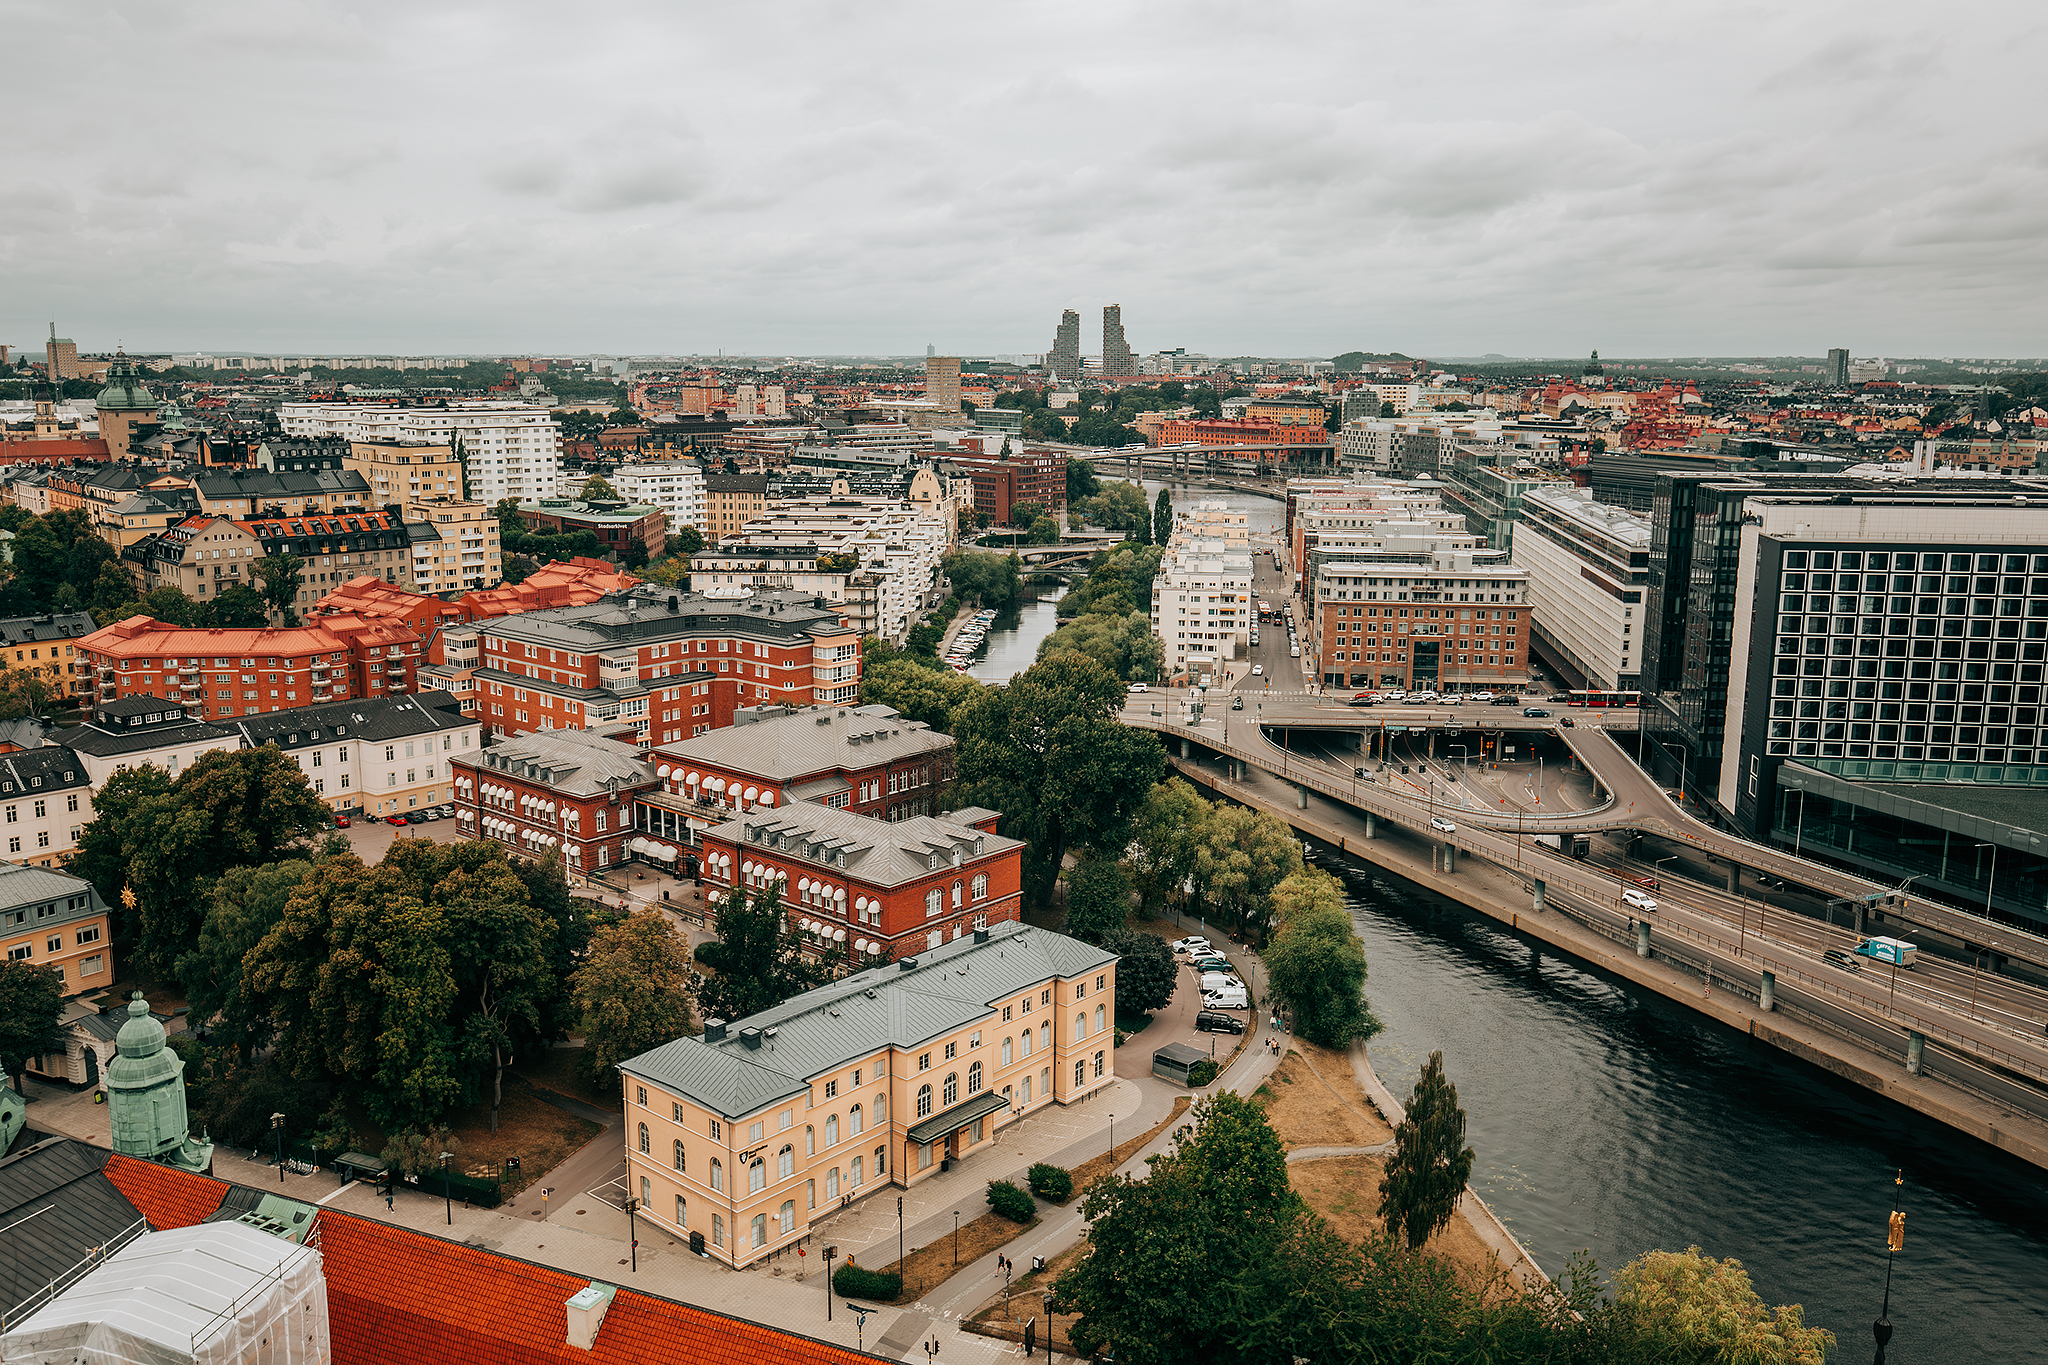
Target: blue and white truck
{"points": [[1893, 950]]}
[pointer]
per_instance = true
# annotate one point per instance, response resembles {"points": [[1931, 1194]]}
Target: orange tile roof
{"points": [[146, 635], [167, 1197], [398, 1297]]}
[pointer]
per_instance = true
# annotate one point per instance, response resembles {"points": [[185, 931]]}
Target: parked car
{"points": [[1209, 963], [1647, 883], [1137, 687], [447, 812], [1638, 899], [1567, 722], [1835, 957], [1212, 982], [1482, 696], [417, 817], [341, 822], [394, 819], [1227, 1000], [430, 813], [1255, 637], [1214, 1021], [1441, 825], [1189, 944], [1535, 713], [1454, 699], [1506, 699], [1422, 698], [1363, 701]]}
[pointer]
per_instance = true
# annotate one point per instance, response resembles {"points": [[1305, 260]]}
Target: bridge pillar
{"points": [[1642, 938], [1767, 992], [1301, 797], [1735, 879], [1539, 888], [1368, 824], [1450, 859], [1916, 1044], [1184, 748]]}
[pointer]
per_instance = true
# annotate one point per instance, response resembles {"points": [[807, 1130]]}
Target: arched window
{"points": [[974, 1078], [1045, 1034], [934, 901], [952, 1088], [760, 1230], [832, 1183], [717, 1174], [785, 1162], [924, 1101], [1024, 1043], [679, 1154], [645, 1146], [959, 891], [757, 1173], [832, 1130], [853, 1173], [1081, 1024], [788, 1217], [1027, 1090], [682, 1219], [1006, 1052], [810, 1140], [853, 1120]]}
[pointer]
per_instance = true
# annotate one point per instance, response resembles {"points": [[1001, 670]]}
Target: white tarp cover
{"points": [[214, 1294]]}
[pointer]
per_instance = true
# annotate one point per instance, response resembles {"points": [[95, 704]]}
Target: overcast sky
{"points": [[1522, 176]]}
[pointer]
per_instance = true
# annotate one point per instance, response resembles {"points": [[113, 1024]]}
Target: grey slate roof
{"points": [[882, 852], [642, 614], [23, 630], [369, 718], [21, 884], [56, 1205], [123, 727], [51, 768], [833, 1026], [578, 763], [813, 740]]}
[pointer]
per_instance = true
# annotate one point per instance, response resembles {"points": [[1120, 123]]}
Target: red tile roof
{"points": [[398, 1297], [168, 1198]]}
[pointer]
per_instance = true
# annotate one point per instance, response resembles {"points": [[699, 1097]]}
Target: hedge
{"points": [[1201, 1073], [858, 1282], [1011, 1202], [1053, 1184]]}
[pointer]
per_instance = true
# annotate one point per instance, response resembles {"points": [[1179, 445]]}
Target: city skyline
{"points": [[1763, 183]]}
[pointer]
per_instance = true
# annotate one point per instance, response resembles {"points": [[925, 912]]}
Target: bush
{"points": [[1201, 1073], [708, 953], [1053, 1184], [1011, 1202], [858, 1282]]}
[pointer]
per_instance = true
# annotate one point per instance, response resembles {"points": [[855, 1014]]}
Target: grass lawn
{"points": [[1345, 1190], [1313, 1100]]}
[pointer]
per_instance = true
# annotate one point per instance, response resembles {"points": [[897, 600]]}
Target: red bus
{"points": [[1597, 698]]}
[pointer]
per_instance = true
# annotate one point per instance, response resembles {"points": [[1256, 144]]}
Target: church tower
{"points": [[145, 1085], [124, 404]]}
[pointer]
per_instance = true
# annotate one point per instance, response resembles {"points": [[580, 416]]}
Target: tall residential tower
{"points": [[1064, 360], [1116, 352]]}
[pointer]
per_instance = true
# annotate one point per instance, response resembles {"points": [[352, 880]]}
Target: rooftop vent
{"points": [[714, 1030], [750, 1038], [981, 935], [904, 964]]}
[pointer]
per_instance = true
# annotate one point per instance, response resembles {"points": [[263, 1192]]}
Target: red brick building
{"points": [[875, 889], [566, 790], [999, 483], [221, 673], [615, 524]]}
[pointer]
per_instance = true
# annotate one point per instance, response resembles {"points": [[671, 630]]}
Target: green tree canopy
{"points": [[23, 693], [1052, 754], [1316, 964], [282, 577], [241, 909], [686, 540], [633, 991], [916, 690], [31, 1004], [1125, 645], [1146, 973], [1243, 855], [240, 607], [1425, 1177], [758, 964], [993, 580], [1166, 838], [1708, 1310], [597, 487], [167, 840], [1081, 480], [1098, 900], [1162, 518]]}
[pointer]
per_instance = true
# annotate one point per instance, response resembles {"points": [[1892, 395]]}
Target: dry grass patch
{"points": [[530, 1128], [927, 1267], [1313, 1100], [1004, 1317], [1345, 1190]]}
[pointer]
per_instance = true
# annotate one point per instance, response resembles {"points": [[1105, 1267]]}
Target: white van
{"points": [[1227, 1000]]}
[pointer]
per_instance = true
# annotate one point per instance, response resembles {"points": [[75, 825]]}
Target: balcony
{"points": [[396, 670]]}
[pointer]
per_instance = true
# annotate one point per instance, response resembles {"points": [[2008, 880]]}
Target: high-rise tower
{"points": [[1116, 352], [1064, 360], [1838, 367], [942, 382]]}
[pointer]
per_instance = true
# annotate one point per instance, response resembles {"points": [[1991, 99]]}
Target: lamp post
{"points": [[956, 1239], [447, 1196], [1112, 1139], [277, 1126], [899, 1234], [1894, 1242]]}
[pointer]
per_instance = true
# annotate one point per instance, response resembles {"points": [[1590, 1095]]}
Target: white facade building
{"points": [[512, 450], [894, 548], [675, 486], [1588, 566], [1203, 609]]}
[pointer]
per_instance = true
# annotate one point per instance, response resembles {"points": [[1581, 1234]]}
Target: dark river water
{"points": [[1617, 1122]]}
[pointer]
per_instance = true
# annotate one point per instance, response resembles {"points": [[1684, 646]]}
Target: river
{"points": [[1611, 1120]]}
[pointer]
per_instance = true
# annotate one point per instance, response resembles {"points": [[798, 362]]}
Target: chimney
{"points": [[586, 1309], [672, 604], [981, 935], [714, 1030], [750, 1038]]}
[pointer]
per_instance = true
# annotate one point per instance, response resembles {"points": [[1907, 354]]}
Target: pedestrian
{"points": [[387, 1198]]}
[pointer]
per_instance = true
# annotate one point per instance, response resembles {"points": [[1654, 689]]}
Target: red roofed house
{"points": [[222, 673], [572, 583]]}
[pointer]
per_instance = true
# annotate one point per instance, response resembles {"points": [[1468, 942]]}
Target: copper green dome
{"points": [[124, 391], [143, 1060]]}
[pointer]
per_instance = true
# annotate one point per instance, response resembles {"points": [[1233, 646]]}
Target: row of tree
{"points": [[1108, 615], [1213, 1257]]}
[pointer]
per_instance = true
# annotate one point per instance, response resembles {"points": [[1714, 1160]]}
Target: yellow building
{"points": [[747, 1134], [45, 647]]}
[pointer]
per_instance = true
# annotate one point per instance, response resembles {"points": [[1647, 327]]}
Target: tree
{"points": [[111, 589], [240, 909], [1051, 752], [1125, 645], [1146, 975], [917, 691], [1242, 856], [1703, 1309], [633, 991], [1024, 513], [1316, 964], [238, 607], [59, 549], [1387, 409], [1425, 1177], [634, 555], [687, 541], [1162, 518], [1165, 835], [31, 1004], [282, 576], [1081, 480], [511, 525], [596, 487], [993, 580], [1159, 1248], [758, 964], [1098, 900], [23, 693], [166, 840]]}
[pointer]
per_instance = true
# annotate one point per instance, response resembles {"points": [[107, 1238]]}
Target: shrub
{"points": [[1011, 1202], [1201, 1073], [709, 953], [1053, 1184], [858, 1282]]}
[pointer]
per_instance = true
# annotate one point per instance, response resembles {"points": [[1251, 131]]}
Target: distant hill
{"points": [[1352, 361]]}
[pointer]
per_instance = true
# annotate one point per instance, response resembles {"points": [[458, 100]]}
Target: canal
{"points": [[1621, 1123]]}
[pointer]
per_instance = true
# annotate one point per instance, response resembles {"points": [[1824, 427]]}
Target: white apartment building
{"points": [[1417, 444], [893, 548], [1203, 608], [675, 486], [511, 449], [1589, 569]]}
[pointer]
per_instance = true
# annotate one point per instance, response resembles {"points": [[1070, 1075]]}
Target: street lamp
{"points": [[277, 1126], [956, 1239], [633, 1228], [447, 1196]]}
